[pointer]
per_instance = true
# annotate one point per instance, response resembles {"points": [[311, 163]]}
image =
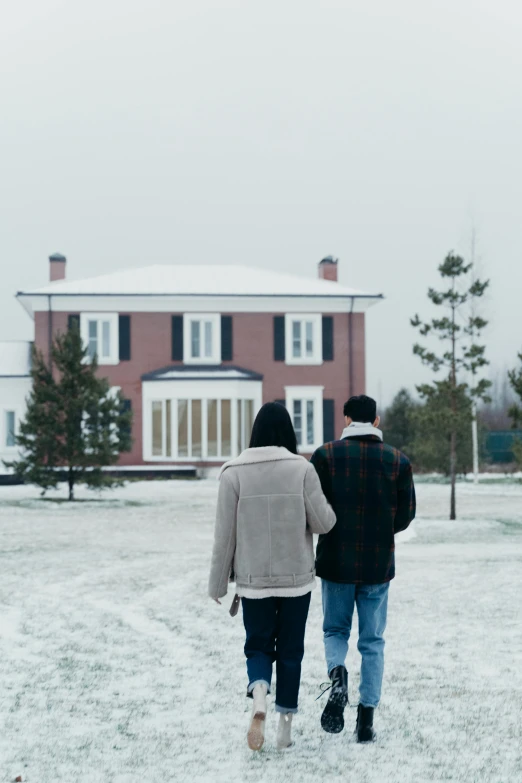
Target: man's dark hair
{"points": [[361, 408], [273, 427]]}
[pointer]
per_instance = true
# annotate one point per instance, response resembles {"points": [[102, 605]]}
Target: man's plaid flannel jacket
{"points": [[370, 487]]}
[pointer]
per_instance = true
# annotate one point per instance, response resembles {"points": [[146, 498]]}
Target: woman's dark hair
{"points": [[273, 427]]}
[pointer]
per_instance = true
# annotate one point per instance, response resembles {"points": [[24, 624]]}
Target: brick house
{"points": [[196, 350]]}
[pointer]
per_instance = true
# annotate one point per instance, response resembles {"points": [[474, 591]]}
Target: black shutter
{"points": [[281, 402], [177, 338], [73, 322], [328, 420], [126, 406], [227, 342], [328, 346], [124, 330], [279, 338]]}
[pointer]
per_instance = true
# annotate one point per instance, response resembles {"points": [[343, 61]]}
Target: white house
{"points": [[15, 385]]}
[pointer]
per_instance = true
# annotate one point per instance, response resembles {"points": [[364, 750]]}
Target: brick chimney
{"points": [[328, 268], [57, 267]]}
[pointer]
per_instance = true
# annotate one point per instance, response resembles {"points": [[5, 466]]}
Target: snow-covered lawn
{"points": [[115, 667]]}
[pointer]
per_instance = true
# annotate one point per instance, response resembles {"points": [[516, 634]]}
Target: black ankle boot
{"points": [[332, 719], [364, 728]]}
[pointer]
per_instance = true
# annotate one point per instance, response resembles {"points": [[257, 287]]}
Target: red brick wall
{"points": [[253, 350]]}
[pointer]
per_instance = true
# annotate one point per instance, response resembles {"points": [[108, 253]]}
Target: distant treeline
{"points": [[421, 429]]}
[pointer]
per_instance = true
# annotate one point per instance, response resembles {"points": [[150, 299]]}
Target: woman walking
{"points": [[270, 502]]}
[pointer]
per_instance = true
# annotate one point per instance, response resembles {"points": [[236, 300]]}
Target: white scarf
{"points": [[359, 428]]}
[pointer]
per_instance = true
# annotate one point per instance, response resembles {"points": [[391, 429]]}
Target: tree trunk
{"points": [[71, 484], [474, 435], [453, 442], [453, 474]]}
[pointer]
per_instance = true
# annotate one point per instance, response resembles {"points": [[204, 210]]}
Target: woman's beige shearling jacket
{"points": [[270, 503]]}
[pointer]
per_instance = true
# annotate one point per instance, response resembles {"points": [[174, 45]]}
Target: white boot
{"points": [[284, 731], [256, 732]]}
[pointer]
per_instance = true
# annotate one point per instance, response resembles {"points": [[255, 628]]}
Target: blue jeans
{"points": [[275, 630], [339, 601]]}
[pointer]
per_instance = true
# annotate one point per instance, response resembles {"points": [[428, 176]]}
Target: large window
{"points": [[305, 405], [219, 428], [303, 339], [200, 429], [303, 417], [99, 333], [202, 336], [245, 419], [9, 429]]}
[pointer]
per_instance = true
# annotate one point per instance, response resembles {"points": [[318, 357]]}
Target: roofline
{"points": [[223, 295], [186, 369]]}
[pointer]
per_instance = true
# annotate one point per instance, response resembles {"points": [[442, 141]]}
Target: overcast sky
{"points": [[267, 134]]}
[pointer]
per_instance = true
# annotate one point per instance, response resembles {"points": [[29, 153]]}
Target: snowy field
{"points": [[116, 667]]}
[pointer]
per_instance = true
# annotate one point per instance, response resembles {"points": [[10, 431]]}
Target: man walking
{"points": [[370, 487]]}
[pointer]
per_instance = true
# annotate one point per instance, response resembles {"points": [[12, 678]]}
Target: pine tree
{"points": [[458, 329], [73, 424], [431, 424], [515, 380], [515, 411], [398, 422]]}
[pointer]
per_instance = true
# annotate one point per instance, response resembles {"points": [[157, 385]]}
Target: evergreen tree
{"points": [[74, 424], [459, 330], [431, 424], [398, 422], [515, 411], [515, 380]]}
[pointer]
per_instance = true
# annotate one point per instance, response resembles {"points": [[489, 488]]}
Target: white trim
{"points": [[316, 320], [215, 320], [306, 393], [199, 304], [100, 317]]}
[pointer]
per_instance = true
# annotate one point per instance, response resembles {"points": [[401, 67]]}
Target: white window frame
{"points": [[114, 348], [161, 391], [215, 320], [306, 393], [3, 428], [317, 355]]}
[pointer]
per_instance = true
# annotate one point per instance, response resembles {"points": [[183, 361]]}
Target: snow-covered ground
{"points": [[115, 667]]}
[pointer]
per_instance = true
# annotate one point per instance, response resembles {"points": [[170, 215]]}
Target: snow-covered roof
{"points": [[199, 280], [202, 373], [15, 359]]}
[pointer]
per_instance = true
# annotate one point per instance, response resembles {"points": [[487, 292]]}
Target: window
{"points": [[183, 428], [199, 429], [201, 339], [226, 428], [304, 424], [305, 405], [202, 336], [99, 333], [245, 422], [10, 429], [303, 339], [161, 428], [219, 428]]}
